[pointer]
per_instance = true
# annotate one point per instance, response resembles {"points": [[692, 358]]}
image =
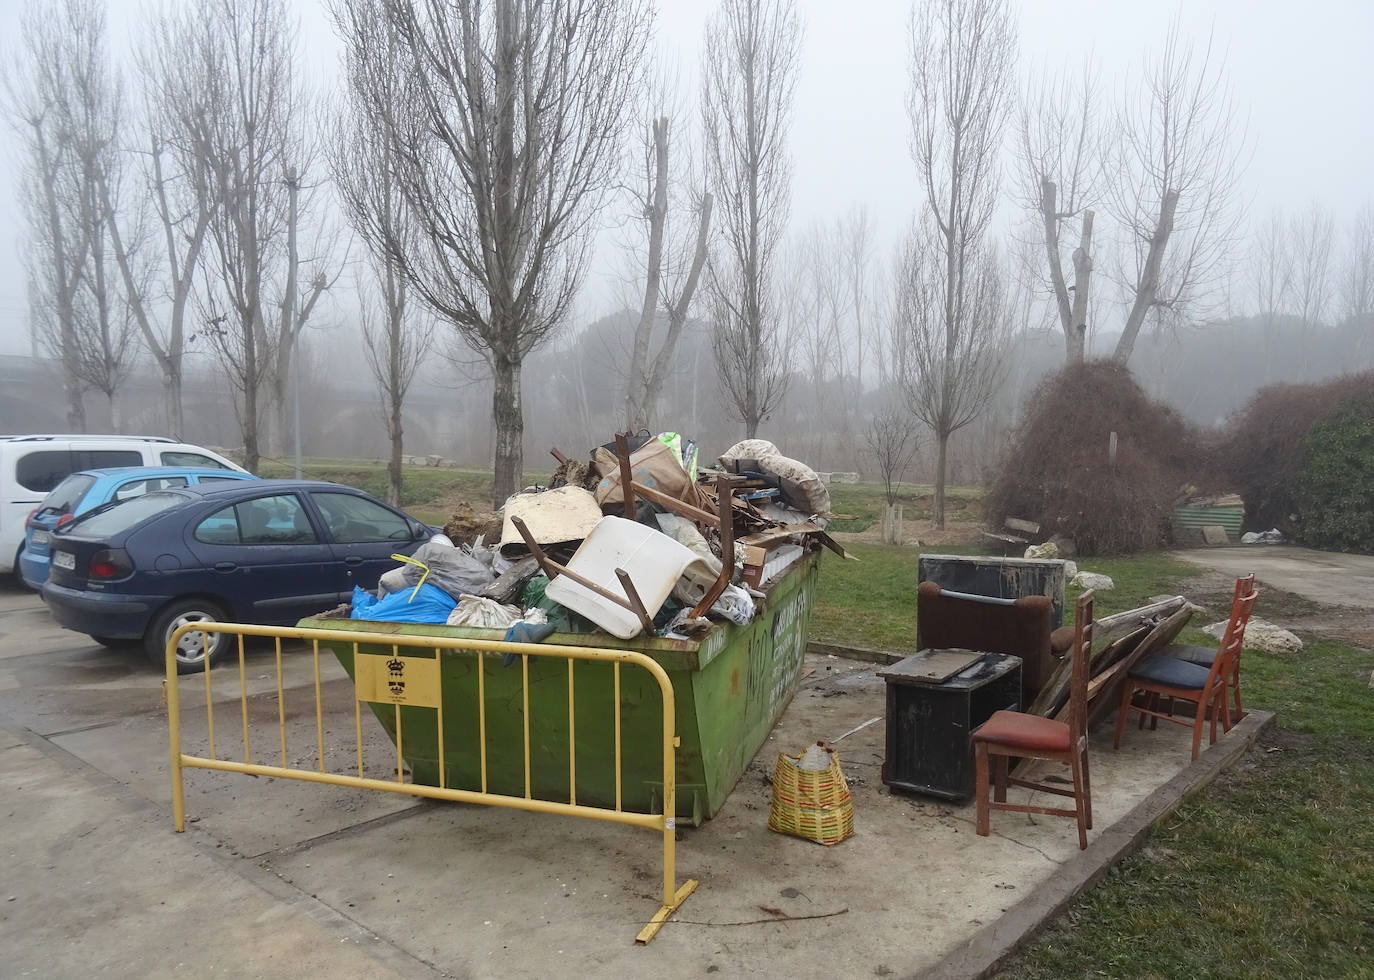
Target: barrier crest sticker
{"points": [[411, 681]]}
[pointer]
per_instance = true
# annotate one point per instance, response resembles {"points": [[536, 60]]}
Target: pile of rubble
{"points": [[635, 540]]}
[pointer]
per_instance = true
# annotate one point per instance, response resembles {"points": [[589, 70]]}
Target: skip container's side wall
{"points": [[730, 688]]}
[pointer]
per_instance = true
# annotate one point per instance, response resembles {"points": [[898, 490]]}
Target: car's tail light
{"points": [[64, 519], [110, 563], [28, 521]]}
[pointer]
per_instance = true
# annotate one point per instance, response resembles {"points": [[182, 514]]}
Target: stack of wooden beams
{"points": [[1119, 641]]}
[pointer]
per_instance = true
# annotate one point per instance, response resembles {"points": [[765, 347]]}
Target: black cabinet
{"points": [[928, 725]]}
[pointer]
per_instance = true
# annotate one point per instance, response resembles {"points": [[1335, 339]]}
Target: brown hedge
{"points": [[1265, 450], [1058, 471]]}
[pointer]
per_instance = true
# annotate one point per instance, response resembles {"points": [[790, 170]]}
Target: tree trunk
{"points": [[637, 397], [507, 414], [393, 467], [249, 422], [1147, 286], [71, 389], [937, 509], [677, 318], [171, 384], [1076, 337]]}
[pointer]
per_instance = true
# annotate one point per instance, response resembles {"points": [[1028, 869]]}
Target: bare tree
{"points": [[507, 136], [752, 49], [62, 105], [172, 148], [1357, 279], [1060, 148], [397, 340], [892, 442], [1271, 271], [1312, 233], [671, 272], [814, 307], [1172, 178], [949, 299], [247, 141], [859, 288], [106, 331], [1357, 272], [948, 376]]}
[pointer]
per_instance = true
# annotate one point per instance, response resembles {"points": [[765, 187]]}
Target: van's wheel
{"points": [[191, 648]]}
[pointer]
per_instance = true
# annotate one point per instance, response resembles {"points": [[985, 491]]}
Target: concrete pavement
{"points": [[1327, 577], [278, 878]]}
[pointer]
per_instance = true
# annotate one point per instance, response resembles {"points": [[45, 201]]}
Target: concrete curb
{"points": [[980, 956], [866, 654]]}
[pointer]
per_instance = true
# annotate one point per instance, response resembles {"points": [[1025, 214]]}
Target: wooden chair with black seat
{"points": [[1204, 656], [1014, 734], [1161, 676]]}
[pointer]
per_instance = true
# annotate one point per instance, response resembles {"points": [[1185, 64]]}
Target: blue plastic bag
{"points": [[431, 604]]}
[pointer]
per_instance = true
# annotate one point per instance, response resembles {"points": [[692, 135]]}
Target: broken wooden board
{"points": [[1114, 637], [1102, 699], [1055, 693], [932, 666]]}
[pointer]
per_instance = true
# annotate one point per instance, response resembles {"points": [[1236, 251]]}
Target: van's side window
{"points": [[94, 459], [183, 458], [44, 469]]}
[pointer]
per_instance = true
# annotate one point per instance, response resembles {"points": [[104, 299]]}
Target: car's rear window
{"points": [[102, 522], [67, 494]]}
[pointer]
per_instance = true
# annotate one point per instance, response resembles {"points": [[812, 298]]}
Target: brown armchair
{"points": [[1019, 627]]}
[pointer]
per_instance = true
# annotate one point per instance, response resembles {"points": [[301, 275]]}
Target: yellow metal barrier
{"points": [[382, 683]]}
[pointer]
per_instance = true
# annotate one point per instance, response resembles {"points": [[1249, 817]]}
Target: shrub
{"points": [[1058, 471], [1334, 496], [1303, 459]]}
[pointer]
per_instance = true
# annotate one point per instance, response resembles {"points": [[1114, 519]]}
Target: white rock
{"points": [[1070, 568], [1047, 550], [1261, 635], [1091, 580]]}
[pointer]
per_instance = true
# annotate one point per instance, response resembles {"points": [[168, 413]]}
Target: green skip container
{"points": [[730, 689]]}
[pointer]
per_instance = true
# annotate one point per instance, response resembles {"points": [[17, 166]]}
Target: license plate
{"points": [[41, 537], [64, 559]]}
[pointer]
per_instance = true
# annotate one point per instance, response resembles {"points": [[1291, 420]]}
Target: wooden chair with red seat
{"points": [[1205, 656], [1162, 676], [1014, 734]]}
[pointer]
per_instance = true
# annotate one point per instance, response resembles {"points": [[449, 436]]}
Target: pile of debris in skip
{"points": [[637, 540]]}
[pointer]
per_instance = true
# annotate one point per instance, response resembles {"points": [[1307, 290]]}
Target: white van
{"points": [[30, 466]]}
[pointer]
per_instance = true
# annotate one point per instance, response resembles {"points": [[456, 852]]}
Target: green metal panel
{"points": [[1191, 518], [731, 688]]}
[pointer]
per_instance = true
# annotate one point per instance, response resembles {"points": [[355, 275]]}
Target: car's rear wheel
{"points": [[191, 651], [114, 642]]}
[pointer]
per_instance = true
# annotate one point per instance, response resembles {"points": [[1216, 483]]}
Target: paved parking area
{"points": [[278, 878], [1327, 577]]}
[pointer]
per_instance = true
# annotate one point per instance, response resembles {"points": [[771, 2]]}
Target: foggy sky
{"points": [[1302, 76]]}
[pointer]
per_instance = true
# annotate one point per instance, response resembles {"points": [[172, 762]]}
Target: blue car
{"points": [[88, 489], [266, 551]]}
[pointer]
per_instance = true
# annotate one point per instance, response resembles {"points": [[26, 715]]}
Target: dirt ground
{"points": [[1296, 588]]}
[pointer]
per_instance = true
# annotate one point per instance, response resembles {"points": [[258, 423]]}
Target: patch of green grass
{"points": [[867, 603], [862, 503], [1322, 690], [423, 487], [1268, 874]]}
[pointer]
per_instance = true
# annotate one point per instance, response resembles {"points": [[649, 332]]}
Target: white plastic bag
{"points": [[475, 610]]}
